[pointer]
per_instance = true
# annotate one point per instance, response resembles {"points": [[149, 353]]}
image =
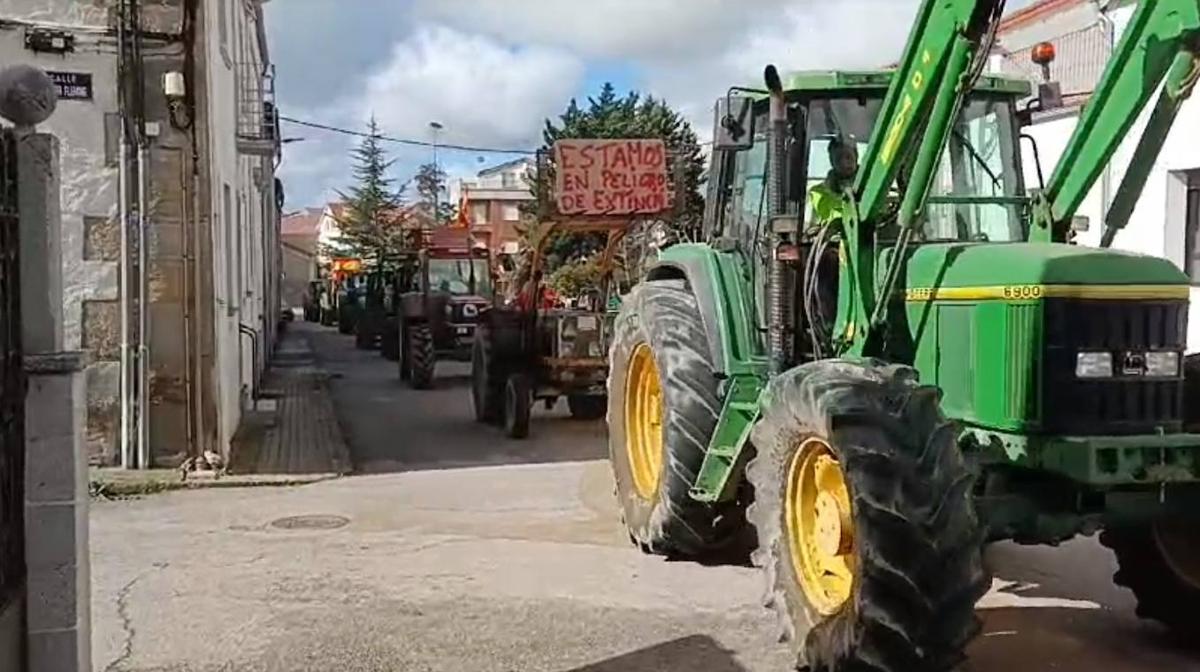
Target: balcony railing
{"points": [[257, 117]]}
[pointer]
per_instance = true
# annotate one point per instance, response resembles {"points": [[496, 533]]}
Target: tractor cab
{"points": [[979, 192], [976, 288]]}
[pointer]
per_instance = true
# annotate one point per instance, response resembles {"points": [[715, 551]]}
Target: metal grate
{"points": [[1081, 57], [12, 382], [257, 119], [1123, 404]]}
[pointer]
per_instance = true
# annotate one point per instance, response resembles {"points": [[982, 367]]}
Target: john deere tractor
{"points": [[889, 352]]}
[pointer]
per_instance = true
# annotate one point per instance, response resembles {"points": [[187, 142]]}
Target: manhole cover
{"points": [[311, 522]]}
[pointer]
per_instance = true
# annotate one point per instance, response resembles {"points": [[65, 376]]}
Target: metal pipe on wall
{"points": [[143, 310], [126, 446]]}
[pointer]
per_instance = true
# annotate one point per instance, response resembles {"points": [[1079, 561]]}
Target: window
{"points": [[508, 180], [230, 260], [979, 163], [510, 212], [223, 26], [1191, 231], [240, 269], [479, 213], [457, 275]]}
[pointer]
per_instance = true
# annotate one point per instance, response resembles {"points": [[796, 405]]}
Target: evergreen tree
{"points": [[371, 225], [430, 183]]}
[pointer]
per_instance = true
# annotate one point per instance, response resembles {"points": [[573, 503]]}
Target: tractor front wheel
{"points": [[867, 532], [518, 401], [663, 403], [421, 356], [587, 407], [487, 380], [1160, 563]]}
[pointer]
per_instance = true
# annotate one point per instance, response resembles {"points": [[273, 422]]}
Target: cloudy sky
{"points": [[491, 71]]}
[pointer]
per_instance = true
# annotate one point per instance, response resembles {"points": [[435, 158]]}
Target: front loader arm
{"points": [[1161, 42], [934, 76]]}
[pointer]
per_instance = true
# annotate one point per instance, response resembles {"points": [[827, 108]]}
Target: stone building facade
{"points": [[212, 207]]}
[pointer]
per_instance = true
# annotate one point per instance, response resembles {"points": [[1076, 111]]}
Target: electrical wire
{"points": [[406, 141]]}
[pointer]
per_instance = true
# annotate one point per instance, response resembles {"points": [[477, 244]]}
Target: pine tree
{"points": [[371, 225], [430, 182]]}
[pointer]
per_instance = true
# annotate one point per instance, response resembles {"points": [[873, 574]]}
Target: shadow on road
{"points": [[391, 427], [687, 654], [1075, 640]]}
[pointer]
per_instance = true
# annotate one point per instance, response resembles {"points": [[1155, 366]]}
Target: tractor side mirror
{"points": [[733, 127]]}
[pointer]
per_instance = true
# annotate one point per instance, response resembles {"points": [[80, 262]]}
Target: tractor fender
{"points": [[701, 268]]}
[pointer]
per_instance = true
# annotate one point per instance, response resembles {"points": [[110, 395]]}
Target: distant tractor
{"points": [[535, 347], [440, 304]]}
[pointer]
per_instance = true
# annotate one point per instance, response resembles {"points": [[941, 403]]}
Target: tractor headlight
{"points": [[449, 311], [1094, 365], [1162, 364]]}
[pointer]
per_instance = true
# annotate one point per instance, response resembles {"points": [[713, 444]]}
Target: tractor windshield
{"points": [[454, 276], [977, 191]]}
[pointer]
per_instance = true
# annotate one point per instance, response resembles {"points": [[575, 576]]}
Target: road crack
{"points": [[126, 619]]}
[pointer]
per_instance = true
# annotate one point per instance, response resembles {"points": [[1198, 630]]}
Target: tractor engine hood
{"points": [[1034, 270]]}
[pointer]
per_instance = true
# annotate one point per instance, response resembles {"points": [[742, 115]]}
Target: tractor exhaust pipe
{"points": [[777, 205]]}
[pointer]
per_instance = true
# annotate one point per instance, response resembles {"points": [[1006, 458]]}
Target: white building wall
{"points": [[1154, 228], [238, 203]]}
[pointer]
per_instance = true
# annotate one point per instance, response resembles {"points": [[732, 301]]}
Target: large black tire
{"points": [[518, 402], [422, 359], [587, 407], [664, 316], [487, 378], [402, 348], [1160, 564], [389, 342], [363, 339], [916, 551]]}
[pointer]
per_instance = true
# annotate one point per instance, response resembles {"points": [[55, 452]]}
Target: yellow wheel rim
{"points": [[643, 421], [819, 526]]}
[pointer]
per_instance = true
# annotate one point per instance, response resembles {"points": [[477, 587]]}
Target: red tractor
{"points": [[439, 304]]}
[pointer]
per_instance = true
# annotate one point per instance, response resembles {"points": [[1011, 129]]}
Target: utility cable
{"points": [[405, 141]]}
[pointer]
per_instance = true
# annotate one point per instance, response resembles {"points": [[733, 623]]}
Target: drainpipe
{"points": [[127, 456], [143, 326], [249, 331]]}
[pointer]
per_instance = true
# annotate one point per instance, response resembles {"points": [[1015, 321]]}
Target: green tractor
{"points": [[889, 353]]}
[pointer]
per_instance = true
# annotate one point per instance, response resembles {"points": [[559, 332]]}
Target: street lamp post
{"points": [[436, 127]]}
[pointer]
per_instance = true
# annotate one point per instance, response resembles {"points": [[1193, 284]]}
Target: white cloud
{"points": [[851, 34], [483, 91], [635, 29]]}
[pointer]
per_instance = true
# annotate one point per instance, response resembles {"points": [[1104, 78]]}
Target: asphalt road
{"points": [[459, 551]]}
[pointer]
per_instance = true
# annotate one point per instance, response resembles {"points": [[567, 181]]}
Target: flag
{"points": [[463, 219]]}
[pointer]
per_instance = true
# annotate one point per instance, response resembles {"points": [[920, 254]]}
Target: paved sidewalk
{"points": [[293, 430]]}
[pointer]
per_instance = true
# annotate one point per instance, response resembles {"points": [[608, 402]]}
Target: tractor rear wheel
{"points": [[586, 406], [422, 359], [487, 379], [389, 342], [518, 401], [402, 350], [867, 531], [1160, 563], [663, 404]]}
